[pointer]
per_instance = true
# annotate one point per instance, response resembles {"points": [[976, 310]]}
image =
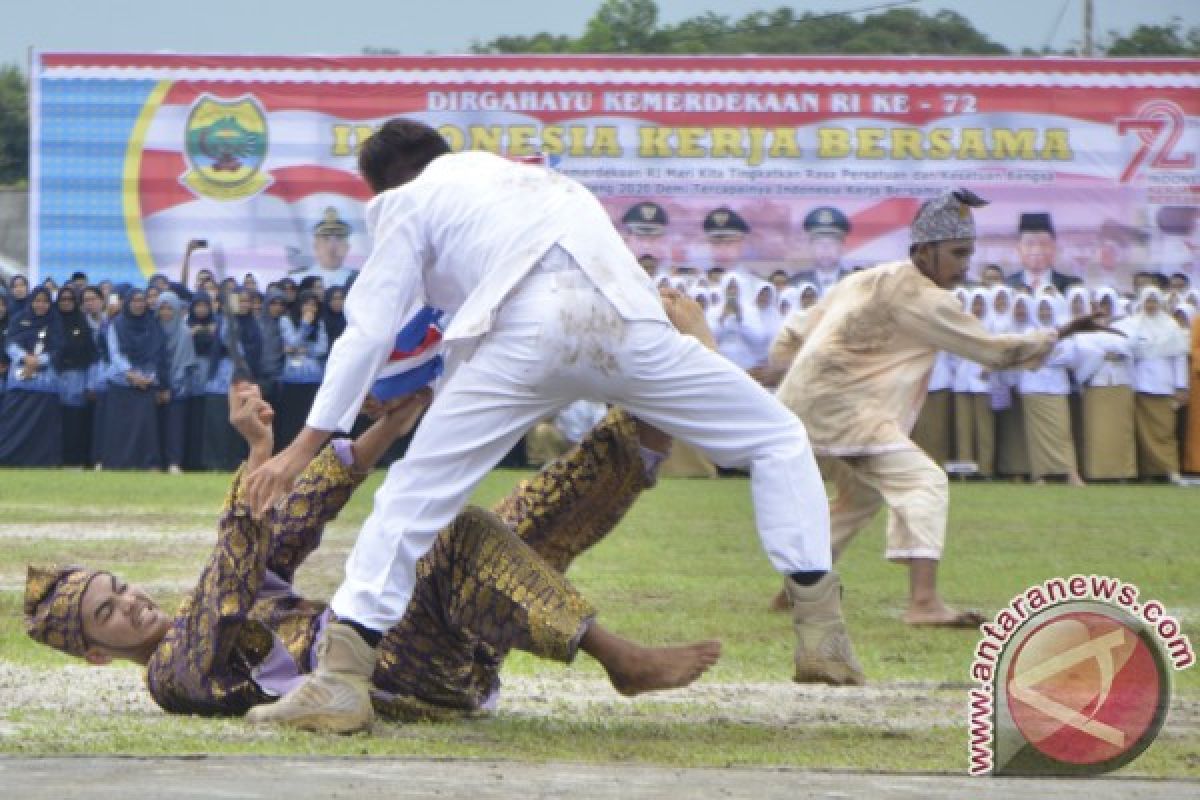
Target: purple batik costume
{"points": [[491, 583]]}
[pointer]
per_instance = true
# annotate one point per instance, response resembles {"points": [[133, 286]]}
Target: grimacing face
{"points": [[120, 620], [945, 263]]}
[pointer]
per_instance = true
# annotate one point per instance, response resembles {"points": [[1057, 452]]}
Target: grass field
{"points": [[685, 564]]}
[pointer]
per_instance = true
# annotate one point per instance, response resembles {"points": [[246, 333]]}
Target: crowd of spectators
{"points": [[1105, 406], [128, 377]]}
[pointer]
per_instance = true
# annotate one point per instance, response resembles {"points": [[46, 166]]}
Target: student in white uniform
{"points": [[974, 420], [1044, 393], [548, 305], [1105, 371], [1160, 380]]}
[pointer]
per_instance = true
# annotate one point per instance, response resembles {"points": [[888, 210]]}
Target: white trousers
{"points": [[556, 339]]}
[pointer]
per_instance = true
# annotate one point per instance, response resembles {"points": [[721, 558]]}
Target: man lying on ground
{"points": [[491, 583]]}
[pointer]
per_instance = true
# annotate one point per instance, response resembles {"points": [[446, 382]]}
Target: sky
{"points": [[327, 27]]}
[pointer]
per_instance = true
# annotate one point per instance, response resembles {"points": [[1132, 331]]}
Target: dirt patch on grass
{"points": [[909, 707]]}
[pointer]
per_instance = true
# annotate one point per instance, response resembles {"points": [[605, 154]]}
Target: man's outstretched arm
{"points": [[381, 299]]}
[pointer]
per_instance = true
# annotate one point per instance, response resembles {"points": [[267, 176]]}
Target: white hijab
{"points": [[1155, 335]]}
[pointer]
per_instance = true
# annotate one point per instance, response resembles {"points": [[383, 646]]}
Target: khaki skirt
{"points": [[975, 431], [1012, 454], [1109, 448], [1048, 435], [1158, 449], [932, 430]]}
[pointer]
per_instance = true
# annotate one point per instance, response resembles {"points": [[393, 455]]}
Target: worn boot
{"points": [[336, 696], [823, 650]]}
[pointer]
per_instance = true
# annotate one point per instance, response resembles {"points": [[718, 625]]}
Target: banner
{"points": [[762, 163]]}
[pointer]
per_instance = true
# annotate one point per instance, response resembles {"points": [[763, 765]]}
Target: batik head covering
{"points": [[54, 606], [946, 217]]}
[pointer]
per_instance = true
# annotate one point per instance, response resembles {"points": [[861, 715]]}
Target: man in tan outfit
{"points": [[857, 367]]}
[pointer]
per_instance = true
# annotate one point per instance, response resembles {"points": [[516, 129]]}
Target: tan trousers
{"points": [[914, 489]]}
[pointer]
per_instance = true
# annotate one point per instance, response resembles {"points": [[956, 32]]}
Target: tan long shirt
{"points": [[861, 359]]}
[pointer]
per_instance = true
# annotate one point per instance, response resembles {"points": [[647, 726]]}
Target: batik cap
{"points": [[946, 217], [54, 606]]}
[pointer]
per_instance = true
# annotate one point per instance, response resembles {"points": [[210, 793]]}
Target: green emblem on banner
{"points": [[225, 146]]}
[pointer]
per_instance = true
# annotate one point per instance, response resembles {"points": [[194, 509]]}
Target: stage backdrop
{"points": [[133, 155]]}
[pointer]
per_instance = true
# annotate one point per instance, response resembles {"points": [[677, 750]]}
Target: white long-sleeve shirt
{"points": [[1161, 376], [460, 236], [945, 367], [1106, 359], [1051, 377]]}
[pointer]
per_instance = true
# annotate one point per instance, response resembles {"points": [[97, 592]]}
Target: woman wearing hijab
{"points": [[974, 419], [271, 367], [137, 385], [732, 319], [95, 314], [761, 327], [1105, 372], [1044, 393], [18, 295], [1012, 455], [305, 345], [30, 413], [333, 313], [4, 320], [201, 326], [1160, 380], [1191, 448], [181, 366], [72, 363]]}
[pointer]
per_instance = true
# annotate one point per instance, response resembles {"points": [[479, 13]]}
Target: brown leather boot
{"points": [[823, 650], [336, 696]]}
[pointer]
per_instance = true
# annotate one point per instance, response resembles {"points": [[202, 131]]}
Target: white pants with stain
{"points": [[556, 340]]}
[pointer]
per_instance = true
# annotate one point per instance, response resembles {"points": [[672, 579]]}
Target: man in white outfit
{"points": [[547, 306]]}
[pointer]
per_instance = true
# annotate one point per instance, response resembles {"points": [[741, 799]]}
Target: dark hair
{"points": [[397, 152]]}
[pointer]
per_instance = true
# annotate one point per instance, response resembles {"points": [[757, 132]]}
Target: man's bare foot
{"points": [[650, 669], [942, 616], [1074, 480], [633, 669]]}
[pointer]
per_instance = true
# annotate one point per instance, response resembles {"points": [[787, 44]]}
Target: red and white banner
{"points": [[136, 154]]}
